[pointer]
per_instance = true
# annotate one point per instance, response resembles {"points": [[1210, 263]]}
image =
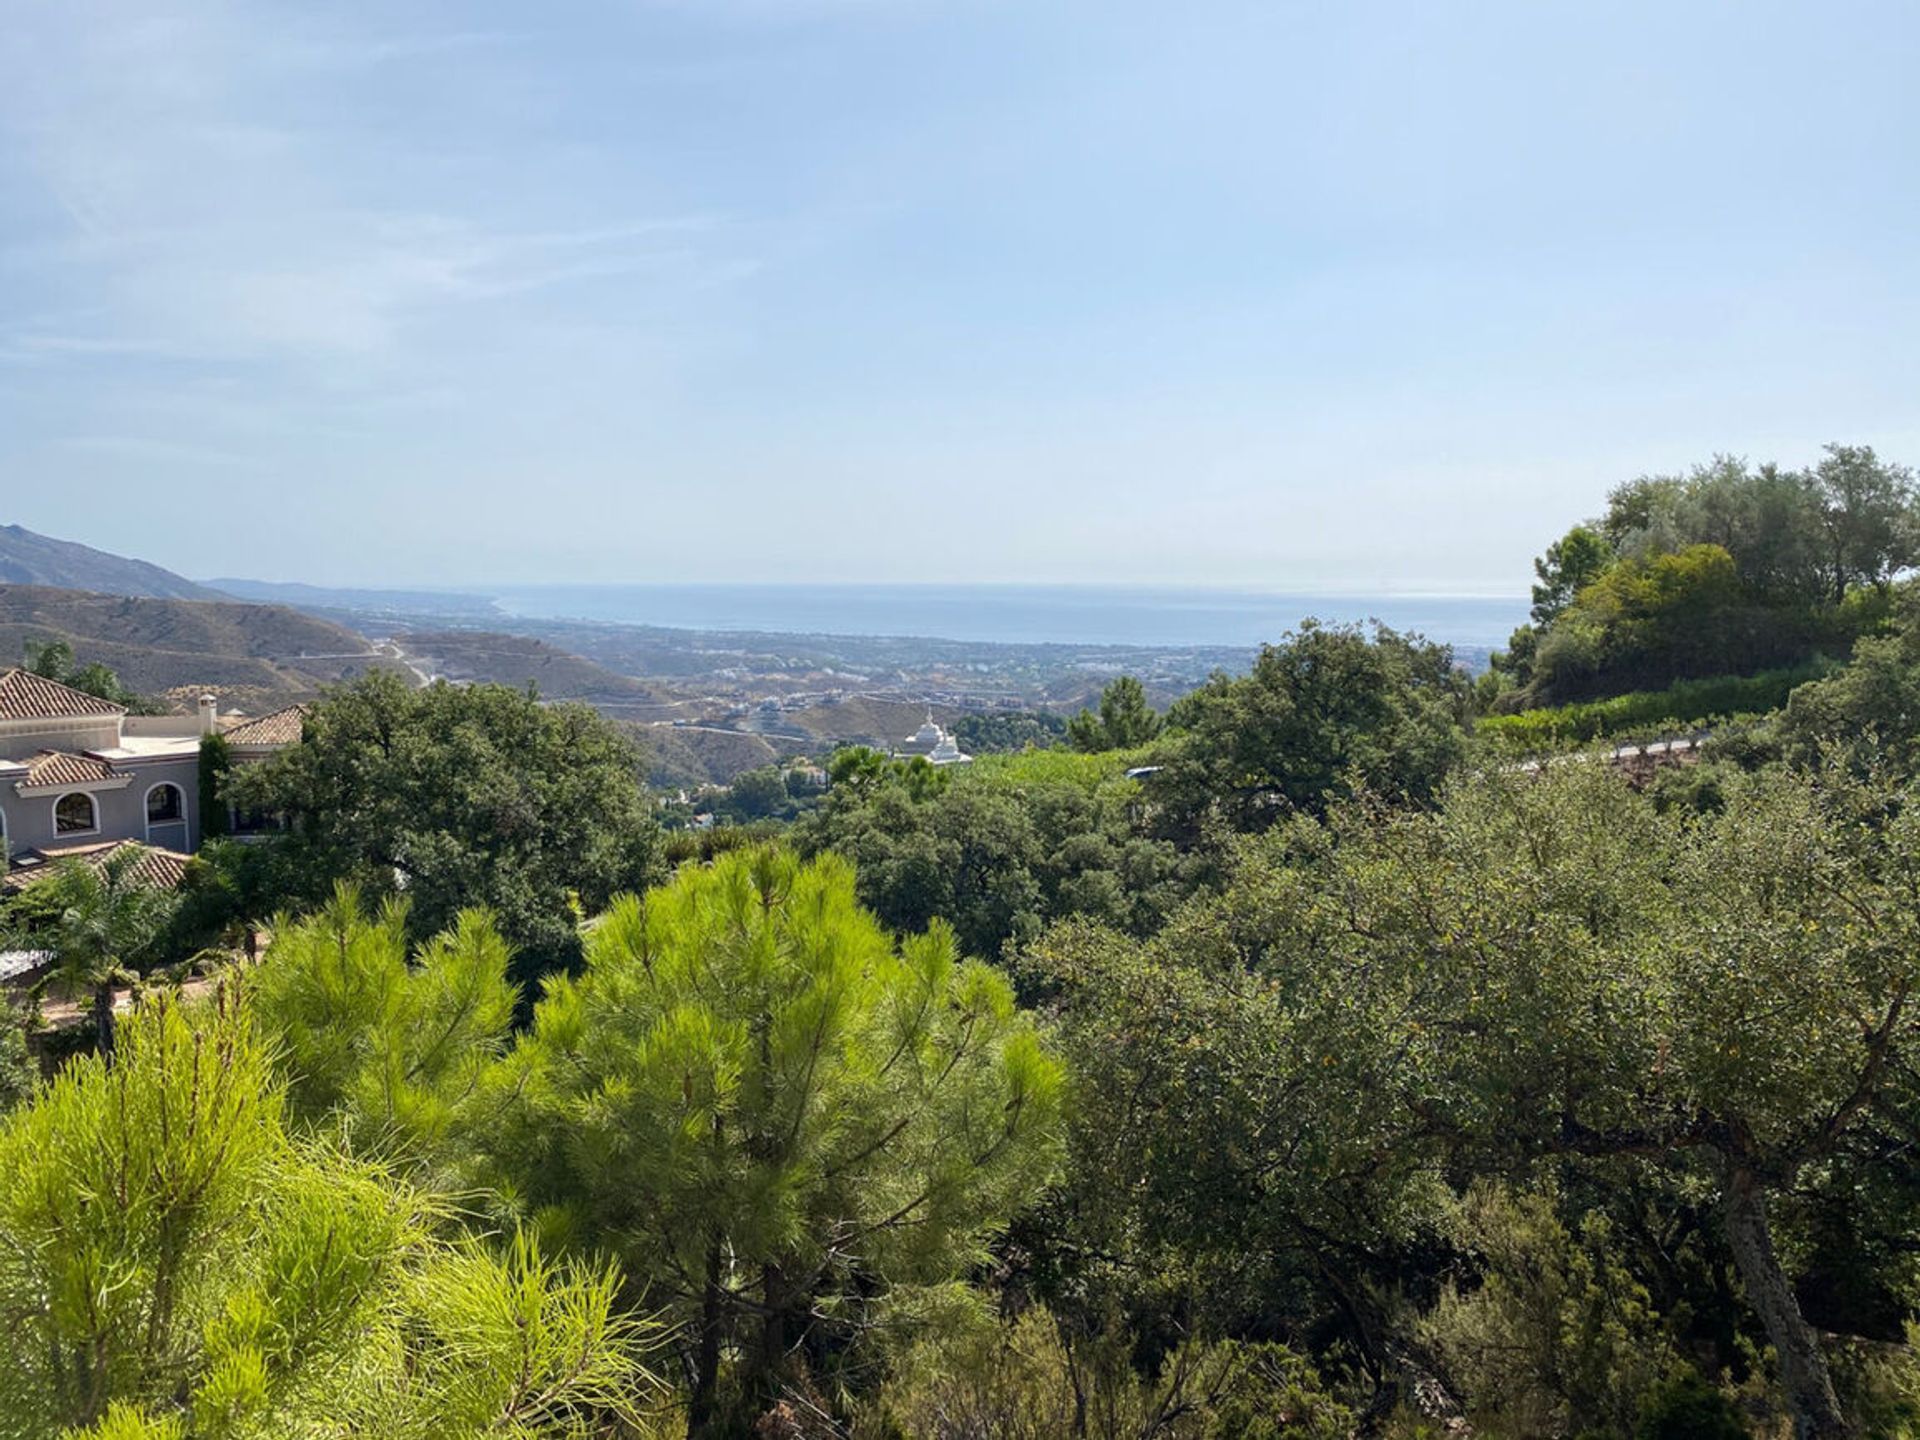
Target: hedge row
{"points": [[1682, 703]]}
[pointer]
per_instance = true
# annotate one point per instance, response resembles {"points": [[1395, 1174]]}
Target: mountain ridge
{"points": [[161, 643], [30, 558], [333, 599]]}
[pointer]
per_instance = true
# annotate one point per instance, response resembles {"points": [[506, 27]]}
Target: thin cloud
{"points": [[149, 449], [382, 51], [30, 347], [214, 198]]}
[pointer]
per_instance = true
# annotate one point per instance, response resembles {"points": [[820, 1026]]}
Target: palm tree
{"points": [[108, 917]]}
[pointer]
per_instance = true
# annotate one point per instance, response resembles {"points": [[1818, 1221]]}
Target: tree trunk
{"points": [[706, 1360], [1803, 1369], [773, 1330], [103, 1019]]}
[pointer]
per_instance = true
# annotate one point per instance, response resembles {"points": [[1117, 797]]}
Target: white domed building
{"points": [[932, 744]]}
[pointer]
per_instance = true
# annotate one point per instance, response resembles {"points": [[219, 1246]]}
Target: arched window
{"points": [[166, 805], [75, 815]]}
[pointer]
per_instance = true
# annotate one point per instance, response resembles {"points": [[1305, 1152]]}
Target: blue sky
{"points": [[1298, 296]]}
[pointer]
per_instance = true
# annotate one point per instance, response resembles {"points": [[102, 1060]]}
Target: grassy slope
{"points": [[1686, 702], [1053, 767]]}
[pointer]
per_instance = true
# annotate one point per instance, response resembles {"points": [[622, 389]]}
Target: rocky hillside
{"points": [[30, 559]]}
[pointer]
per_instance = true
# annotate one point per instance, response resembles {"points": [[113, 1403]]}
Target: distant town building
{"points": [[932, 743]]}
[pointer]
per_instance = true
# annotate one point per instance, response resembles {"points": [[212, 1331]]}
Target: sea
{"points": [[1018, 614]]}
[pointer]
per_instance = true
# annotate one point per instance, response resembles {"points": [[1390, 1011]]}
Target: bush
{"points": [[19, 1071], [971, 1378], [1688, 1408], [1880, 1383], [1558, 1337]]}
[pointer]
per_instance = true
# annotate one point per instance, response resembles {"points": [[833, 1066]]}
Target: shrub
{"points": [[971, 1378], [1558, 1336], [1688, 1408]]}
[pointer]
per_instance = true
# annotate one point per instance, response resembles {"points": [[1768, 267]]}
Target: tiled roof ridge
{"points": [[62, 767], [27, 696], [277, 727], [162, 868]]}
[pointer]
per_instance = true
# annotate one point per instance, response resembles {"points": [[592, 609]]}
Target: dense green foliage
{"points": [[19, 1070], [1124, 720], [1001, 731], [390, 1042], [1685, 702], [1000, 848], [970, 1378], [175, 1261], [1870, 710], [216, 760], [1372, 1083], [55, 660], [1542, 972], [768, 792], [464, 796], [786, 1126], [102, 921], [1727, 570], [777, 1117], [1325, 710]]}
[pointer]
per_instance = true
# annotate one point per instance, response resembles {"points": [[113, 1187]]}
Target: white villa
{"points": [[80, 777], [932, 743]]}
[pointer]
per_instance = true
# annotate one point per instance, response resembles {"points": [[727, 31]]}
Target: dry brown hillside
{"points": [[866, 720], [690, 755], [518, 660], [157, 645]]}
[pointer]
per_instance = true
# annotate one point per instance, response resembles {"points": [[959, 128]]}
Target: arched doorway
{"points": [[167, 816]]}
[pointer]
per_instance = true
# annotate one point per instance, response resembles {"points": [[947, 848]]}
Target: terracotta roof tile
{"points": [[57, 767], [162, 869], [27, 696], [282, 727]]}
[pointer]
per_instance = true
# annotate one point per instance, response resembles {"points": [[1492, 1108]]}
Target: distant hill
{"points": [[156, 645], [866, 720], [30, 559], [478, 655], [691, 755], [359, 601]]}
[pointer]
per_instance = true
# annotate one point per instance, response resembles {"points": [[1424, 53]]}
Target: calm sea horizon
{"points": [[1017, 614]]}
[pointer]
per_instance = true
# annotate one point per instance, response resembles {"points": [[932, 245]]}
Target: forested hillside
{"points": [[1291, 1062], [1726, 570]]}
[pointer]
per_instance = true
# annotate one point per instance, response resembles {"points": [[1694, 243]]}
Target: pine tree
{"points": [[777, 1114], [175, 1263]]}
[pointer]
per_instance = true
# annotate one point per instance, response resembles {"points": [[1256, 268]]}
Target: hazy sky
{"points": [[1367, 296]]}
